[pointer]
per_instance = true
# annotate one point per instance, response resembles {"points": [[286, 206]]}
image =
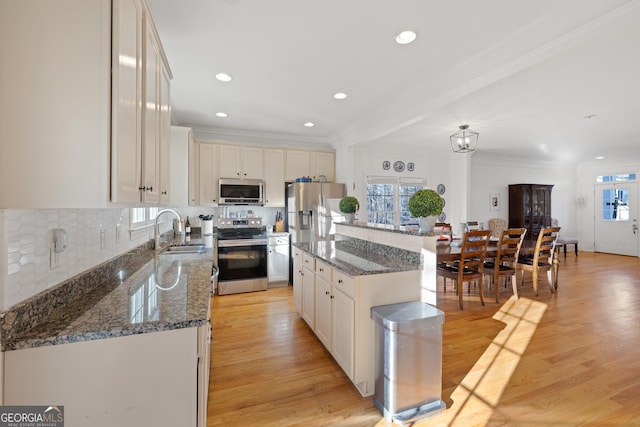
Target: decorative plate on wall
{"points": [[441, 189], [442, 217], [410, 166], [386, 165], [398, 166]]}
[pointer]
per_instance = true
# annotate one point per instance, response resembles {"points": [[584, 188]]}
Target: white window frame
{"points": [[396, 182]]}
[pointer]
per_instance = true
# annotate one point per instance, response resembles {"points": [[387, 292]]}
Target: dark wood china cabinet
{"points": [[530, 207]]}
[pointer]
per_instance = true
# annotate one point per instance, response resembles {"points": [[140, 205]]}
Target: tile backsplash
{"points": [[29, 242], [26, 241]]}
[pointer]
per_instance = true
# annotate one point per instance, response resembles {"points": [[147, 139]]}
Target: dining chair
{"points": [[497, 226], [563, 241], [506, 260], [542, 259], [470, 267], [471, 226], [444, 228]]}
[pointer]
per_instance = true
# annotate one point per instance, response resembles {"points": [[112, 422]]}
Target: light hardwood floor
{"points": [[571, 358]]}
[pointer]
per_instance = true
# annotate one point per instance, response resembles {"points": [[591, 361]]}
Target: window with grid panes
{"points": [[388, 199]]}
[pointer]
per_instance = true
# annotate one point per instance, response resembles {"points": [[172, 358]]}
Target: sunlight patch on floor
{"points": [[481, 389]]}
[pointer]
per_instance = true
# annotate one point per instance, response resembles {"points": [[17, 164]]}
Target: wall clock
{"points": [[398, 166]]}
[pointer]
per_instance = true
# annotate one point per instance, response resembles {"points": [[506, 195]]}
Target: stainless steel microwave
{"points": [[241, 192]]}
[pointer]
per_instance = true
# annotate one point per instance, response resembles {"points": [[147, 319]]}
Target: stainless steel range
{"points": [[242, 256]]}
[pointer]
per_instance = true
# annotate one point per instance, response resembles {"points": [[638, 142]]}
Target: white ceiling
{"points": [[522, 73]]}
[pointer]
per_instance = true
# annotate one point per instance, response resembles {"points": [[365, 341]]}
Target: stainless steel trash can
{"points": [[408, 361]]}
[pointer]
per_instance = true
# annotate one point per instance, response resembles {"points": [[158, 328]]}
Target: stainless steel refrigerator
{"points": [[312, 210]]}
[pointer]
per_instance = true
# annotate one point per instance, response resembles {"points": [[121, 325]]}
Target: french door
{"points": [[616, 215]]}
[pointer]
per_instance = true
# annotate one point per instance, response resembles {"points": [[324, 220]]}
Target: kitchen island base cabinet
{"points": [[341, 314], [148, 379]]}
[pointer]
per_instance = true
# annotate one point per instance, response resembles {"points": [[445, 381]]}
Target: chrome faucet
{"points": [[156, 233]]}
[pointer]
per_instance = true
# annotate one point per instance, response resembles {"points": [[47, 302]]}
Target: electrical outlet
{"points": [[102, 239]]}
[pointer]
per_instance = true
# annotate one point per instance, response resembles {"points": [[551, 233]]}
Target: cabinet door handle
{"points": [[331, 296], [326, 292], [321, 270], [340, 281]]}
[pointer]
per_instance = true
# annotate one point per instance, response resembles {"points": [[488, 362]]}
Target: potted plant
{"points": [[349, 205], [426, 205]]}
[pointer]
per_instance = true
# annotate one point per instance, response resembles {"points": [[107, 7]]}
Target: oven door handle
{"points": [[241, 242]]}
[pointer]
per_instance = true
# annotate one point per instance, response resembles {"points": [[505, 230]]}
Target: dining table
{"points": [[449, 250]]}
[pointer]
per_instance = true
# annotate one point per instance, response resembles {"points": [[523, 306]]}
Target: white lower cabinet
{"points": [[297, 278], [341, 314], [151, 379], [308, 292], [342, 330], [323, 311]]}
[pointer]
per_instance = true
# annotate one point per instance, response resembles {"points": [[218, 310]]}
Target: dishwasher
{"points": [[278, 260]]}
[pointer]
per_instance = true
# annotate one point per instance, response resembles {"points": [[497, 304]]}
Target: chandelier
{"points": [[464, 141]]}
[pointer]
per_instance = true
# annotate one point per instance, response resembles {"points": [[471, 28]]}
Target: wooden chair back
{"points": [[470, 267], [509, 246], [474, 250], [542, 259], [545, 246]]}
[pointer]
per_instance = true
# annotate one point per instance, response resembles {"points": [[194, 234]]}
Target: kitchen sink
{"points": [[195, 248]]}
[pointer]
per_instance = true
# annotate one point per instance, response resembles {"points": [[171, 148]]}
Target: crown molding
{"points": [[228, 135]]}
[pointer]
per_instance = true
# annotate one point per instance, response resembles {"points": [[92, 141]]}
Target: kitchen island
{"points": [[335, 285], [126, 343]]}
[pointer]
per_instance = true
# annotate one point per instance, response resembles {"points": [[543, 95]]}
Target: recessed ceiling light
{"points": [[599, 157], [405, 37], [223, 77], [309, 124], [222, 114], [340, 95]]}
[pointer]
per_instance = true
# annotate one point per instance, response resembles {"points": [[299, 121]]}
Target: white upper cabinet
{"points": [[207, 174], [126, 101], [323, 164], [310, 164], [150, 132], [147, 162], [298, 164], [165, 138], [182, 184], [240, 162], [273, 177], [71, 110], [55, 96]]}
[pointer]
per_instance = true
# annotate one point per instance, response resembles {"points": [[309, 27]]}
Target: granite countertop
{"points": [[412, 230], [165, 292], [356, 257]]}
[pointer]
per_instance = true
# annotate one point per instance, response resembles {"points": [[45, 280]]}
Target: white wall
{"points": [[493, 175], [434, 166]]}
